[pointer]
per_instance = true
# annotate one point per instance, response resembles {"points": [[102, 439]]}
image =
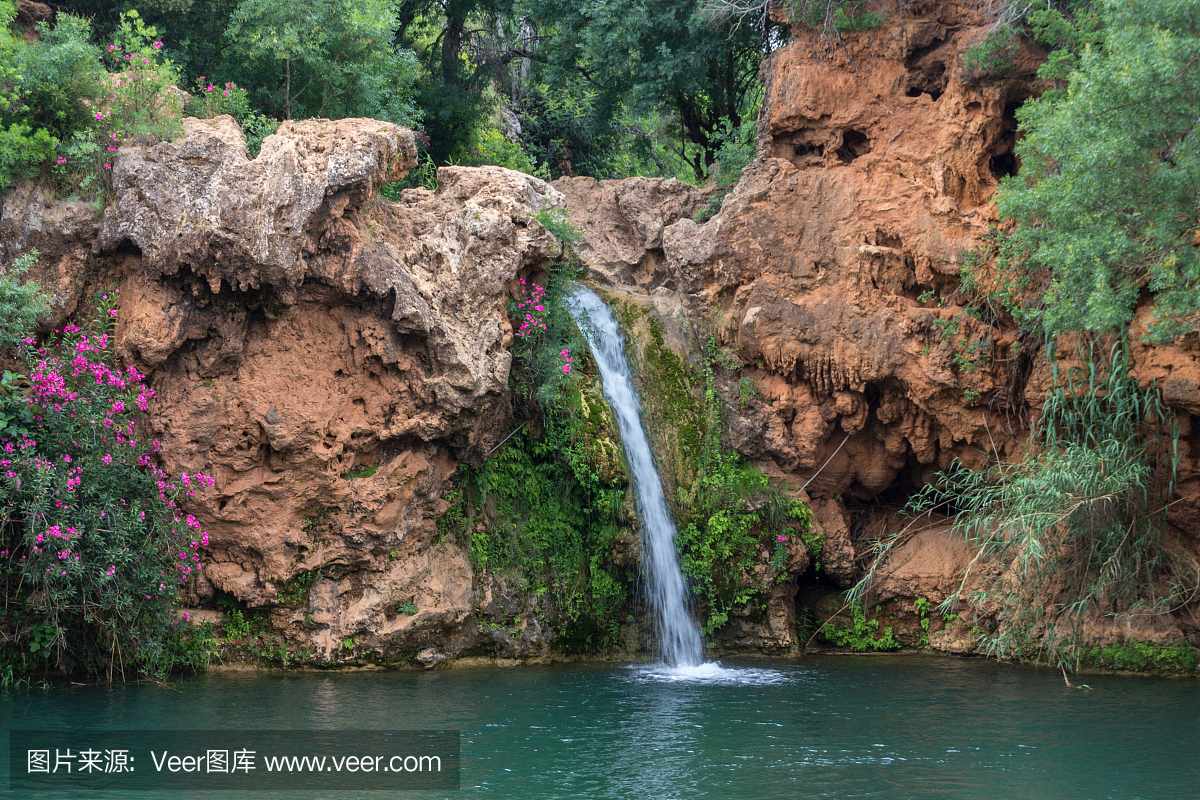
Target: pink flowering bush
{"points": [[138, 102], [95, 538], [212, 99], [532, 308]]}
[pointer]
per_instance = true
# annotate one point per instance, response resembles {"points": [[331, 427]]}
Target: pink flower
{"points": [[782, 538], [62, 160], [99, 115], [158, 45]]}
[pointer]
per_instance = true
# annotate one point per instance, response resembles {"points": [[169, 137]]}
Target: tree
{"points": [[661, 57], [1105, 203], [327, 57]]}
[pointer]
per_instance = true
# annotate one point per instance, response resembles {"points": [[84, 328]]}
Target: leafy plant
{"points": [[859, 635], [921, 608], [235, 625], [1103, 219], [211, 100], [22, 304], [1079, 525], [94, 541], [834, 16], [365, 471], [407, 608]]}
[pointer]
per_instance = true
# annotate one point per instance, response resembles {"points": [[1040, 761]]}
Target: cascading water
{"points": [[676, 632]]}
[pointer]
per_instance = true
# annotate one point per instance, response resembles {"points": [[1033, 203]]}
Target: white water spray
{"points": [[676, 632]]}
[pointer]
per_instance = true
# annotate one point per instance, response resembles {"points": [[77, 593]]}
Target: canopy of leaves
{"points": [[663, 57], [325, 58], [1106, 199]]}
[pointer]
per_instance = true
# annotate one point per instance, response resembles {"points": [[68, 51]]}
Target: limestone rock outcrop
{"points": [[329, 356]]}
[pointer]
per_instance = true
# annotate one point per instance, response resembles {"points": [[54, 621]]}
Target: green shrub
{"points": [[235, 625], [546, 510], [1104, 218], [840, 16], [211, 100], [491, 147], [1143, 657], [1079, 525], [22, 303], [859, 635], [23, 152], [48, 83]]}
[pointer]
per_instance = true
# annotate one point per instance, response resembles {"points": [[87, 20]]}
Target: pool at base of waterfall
{"points": [[890, 727]]}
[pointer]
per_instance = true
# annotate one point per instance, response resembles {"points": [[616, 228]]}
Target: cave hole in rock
{"points": [[802, 150], [1003, 161], [855, 144], [811, 586], [930, 80]]}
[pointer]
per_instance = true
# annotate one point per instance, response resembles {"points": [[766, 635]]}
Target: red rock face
{"points": [[834, 262], [327, 355]]}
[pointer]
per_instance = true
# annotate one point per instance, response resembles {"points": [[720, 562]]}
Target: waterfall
{"points": [[675, 631]]}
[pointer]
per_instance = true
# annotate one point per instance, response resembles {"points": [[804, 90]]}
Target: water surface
{"points": [[896, 728]]}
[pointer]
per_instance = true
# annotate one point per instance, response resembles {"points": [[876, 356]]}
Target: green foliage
{"points": [[835, 16], [50, 83], [1142, 657], [1103, 218], [407, 608], [859, 635], [257, 127], [424, 176], [728, 517], [710, 208], [295, 593], [736, 150], [995, 55], [666, 58], [555, 221], [187, 647], [45, 87], [562, 128], [22, 303], [720, 538], [365, 471], [235, 625], [210, 100], [921, 608], [93, 541], [22, 152], [747, 390], [328, 58], [1079, 524], [546, 512]]}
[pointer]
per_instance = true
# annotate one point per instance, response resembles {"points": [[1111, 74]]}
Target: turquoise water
{"points": [[897, 728]]}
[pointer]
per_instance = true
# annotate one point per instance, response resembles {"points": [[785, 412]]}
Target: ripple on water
{"points": [[710, 673]]}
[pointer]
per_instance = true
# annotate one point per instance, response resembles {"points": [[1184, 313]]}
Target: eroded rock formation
{"points": [[327, 355], [331, 356], [831, 273]]}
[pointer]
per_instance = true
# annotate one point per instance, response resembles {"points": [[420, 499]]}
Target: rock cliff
{"points": [[331, 356], [327, 355], [831, 272]]}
